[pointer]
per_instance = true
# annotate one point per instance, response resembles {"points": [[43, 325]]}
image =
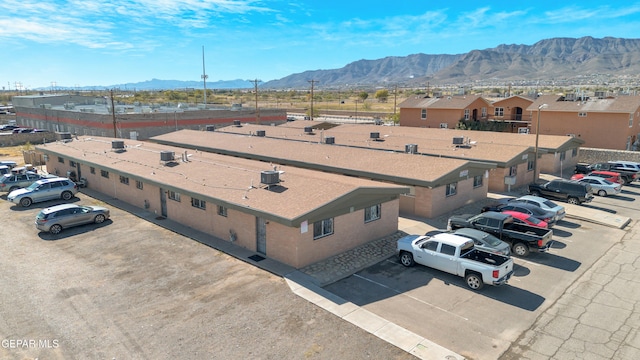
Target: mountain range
{"points": [[546, 60]]}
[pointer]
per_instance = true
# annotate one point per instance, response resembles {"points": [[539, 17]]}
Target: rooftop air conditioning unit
{"points": [[210, 128], [308, 130], [411, 148], [64, 136], [374, 135], [167, 156], [458, 140], [270, 177], [117, 145], [329, 140], [237, 123], [260, 133]]}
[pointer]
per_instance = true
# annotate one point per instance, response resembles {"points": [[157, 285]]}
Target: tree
{"points": [[363, 95], [382, 95]]}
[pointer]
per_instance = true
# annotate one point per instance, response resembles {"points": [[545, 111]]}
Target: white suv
{"points": [[43, 190], [626, 166]]}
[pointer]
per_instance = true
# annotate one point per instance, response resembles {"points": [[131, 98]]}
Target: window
{"points": [[72, 163], [372, 213], [563, 155], [630, 120], [174, 195], [431, 245], [444, 126], [574, 152], [513, 171], [423, 114], [139, 184], [582, 114], [124, 180], [466, 114], [104, 173], [322, 228], [92, 170], [60, 160], [484, 112], [477, 181], [222, 211], [200, 204], [447, 249], [498, 111], [451, 189], [530, 165]]}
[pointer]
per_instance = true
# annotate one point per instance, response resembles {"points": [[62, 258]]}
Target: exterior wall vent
{"points": [[117, 145], [411, 148], [167, 156], [374, 135], [260, 133], [330, 140], [270, 177], [458, 140], [237, 123], [210, 128]]}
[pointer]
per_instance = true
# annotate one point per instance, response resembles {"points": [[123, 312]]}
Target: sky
{"points": [[73, 43]]}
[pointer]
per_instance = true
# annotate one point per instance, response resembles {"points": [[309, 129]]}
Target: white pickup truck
{"points": [[456, 255]]}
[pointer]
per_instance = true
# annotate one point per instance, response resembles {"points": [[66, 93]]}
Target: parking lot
{"points": [[130, 289], [483, 325]]}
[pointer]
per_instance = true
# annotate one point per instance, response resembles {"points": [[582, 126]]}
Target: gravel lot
{"points": [[128, 289]]}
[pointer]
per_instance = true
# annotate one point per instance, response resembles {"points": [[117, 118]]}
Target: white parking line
{"points": [[411, 297]]}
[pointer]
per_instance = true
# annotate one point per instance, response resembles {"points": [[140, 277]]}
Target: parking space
{"points": [[482, 325]]}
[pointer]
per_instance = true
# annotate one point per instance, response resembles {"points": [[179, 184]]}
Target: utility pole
{"points": [[204, 79], [255, 88], [395, 98], [113, 115], [312, 82]]}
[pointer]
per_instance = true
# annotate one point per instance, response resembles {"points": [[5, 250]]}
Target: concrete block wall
{"points": [[593, 155]]}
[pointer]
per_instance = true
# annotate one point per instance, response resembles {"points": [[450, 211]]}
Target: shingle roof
{"points": [[427, 171], [445, 102], [230, 181], [619, 104]]}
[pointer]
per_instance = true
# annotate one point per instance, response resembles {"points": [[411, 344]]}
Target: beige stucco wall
{"points": [[435, 117], [597, 129], [429, 203]]}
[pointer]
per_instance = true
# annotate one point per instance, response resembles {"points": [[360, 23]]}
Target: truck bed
{"points": [[485, 257]]}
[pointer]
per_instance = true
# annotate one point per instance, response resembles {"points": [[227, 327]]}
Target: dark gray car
{"points": [[481, 240]]}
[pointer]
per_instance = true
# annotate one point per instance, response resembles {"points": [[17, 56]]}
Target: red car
{"points": [[527, 219], [614, 177]]}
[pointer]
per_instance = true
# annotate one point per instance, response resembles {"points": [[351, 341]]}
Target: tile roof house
{"points": [[291, 214], [601, 122]]}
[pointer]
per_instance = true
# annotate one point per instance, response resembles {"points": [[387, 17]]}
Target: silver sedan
{"points": [[601, 186]]}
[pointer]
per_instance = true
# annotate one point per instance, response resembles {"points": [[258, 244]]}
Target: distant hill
{"points": [[556, 58]]}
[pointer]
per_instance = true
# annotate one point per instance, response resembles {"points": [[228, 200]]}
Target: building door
{"points": [[261, 236], [163, 202], [518, 116]]}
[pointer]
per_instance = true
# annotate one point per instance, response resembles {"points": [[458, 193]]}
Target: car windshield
{"points": [[491, 240], [534, 220], [607, 182], [549, 203]]}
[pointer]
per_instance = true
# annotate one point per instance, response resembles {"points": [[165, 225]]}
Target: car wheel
{"points": [[67, 195], [474, 281], [535, 193], [99, 219], [520, 249], [602, 193], [55, 229], [573, 201], [25, 202], [406, 259]]}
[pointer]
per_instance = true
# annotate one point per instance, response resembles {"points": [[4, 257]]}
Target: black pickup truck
{"points": [[626, 176], [522, 238]]}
